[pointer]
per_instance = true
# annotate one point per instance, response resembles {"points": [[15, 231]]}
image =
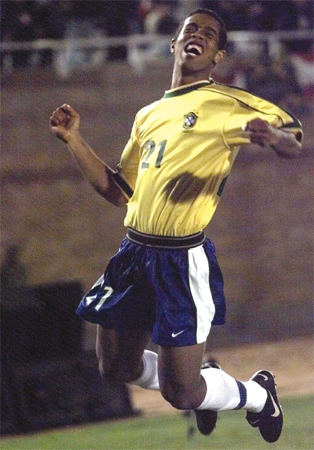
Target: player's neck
{"points": [[178, 79]]}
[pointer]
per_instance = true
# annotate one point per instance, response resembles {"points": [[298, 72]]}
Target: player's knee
{"points": [[179, 396]]}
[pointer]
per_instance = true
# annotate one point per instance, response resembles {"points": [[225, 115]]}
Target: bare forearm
{"points": [[95, 170], [64, 124]]}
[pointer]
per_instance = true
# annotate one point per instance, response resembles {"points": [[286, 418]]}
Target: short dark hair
{"points": [[222, 26]]}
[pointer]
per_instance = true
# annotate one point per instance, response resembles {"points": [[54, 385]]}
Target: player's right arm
{"points": [[65, 124]]}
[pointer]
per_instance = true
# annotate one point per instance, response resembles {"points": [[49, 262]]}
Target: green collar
{"points": [[186, 89]]}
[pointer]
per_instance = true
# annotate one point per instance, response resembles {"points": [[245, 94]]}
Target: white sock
{"points": [[149, 377], [222, 391], [256, 396], [225, 393]]}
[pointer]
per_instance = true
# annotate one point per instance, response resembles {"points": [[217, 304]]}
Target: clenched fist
{"points": [[261, 132], [64, 122]]}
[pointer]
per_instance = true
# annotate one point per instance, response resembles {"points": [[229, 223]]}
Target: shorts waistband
{"points": [[150, 240]]}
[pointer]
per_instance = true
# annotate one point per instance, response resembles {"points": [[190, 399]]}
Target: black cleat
{"points": [[270, 419], [205, 418]]}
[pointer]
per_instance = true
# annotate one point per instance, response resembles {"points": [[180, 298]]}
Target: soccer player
{"points": [[164, 282]]}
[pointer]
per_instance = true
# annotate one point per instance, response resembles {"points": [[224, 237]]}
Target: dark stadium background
{"points": [[57, 235]]}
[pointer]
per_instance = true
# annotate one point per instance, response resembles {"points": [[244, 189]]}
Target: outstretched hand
{"points": [[64, 122], [261, 132]]}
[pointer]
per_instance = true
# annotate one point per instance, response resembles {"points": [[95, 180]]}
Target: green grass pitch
{"points": [[170, 432]]}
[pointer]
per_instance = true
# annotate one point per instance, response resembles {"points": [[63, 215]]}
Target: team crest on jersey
{"points": [[189, 120]]}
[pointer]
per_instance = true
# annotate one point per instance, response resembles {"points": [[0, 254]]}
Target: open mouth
{"points": [[194, 49]]}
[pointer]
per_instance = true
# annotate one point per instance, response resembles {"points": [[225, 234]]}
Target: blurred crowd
{"points": [[262, 15], [25, 21]]}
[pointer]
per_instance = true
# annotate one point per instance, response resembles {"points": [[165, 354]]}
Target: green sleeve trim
{"points": [[295, 122]]}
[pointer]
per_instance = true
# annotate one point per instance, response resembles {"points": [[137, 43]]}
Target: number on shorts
{"points": [[109, 291]]}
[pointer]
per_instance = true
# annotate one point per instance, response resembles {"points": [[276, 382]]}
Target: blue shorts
{"points": [[175, 293]]}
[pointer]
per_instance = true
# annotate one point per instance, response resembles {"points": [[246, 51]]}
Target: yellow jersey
{"points": [[181, 150]]}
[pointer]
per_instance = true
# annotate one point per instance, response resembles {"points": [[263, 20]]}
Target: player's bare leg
{"points": [[206, 419], [186, 386], [179, 371], [120, 353]]}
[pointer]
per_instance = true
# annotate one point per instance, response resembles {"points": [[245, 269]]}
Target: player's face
{"points": [[196, 47]]}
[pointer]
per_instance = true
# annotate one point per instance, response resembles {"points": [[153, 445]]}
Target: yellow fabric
{"points": [[181, 149]]}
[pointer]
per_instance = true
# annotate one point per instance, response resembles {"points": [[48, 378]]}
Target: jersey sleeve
{"points": [[129, 162], [247, 107]]}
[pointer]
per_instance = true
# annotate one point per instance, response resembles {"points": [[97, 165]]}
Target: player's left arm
{"points": [[284, 143]]}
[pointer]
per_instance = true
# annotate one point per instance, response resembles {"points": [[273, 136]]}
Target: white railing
{"points": [[103, 42], [142, 49]]}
